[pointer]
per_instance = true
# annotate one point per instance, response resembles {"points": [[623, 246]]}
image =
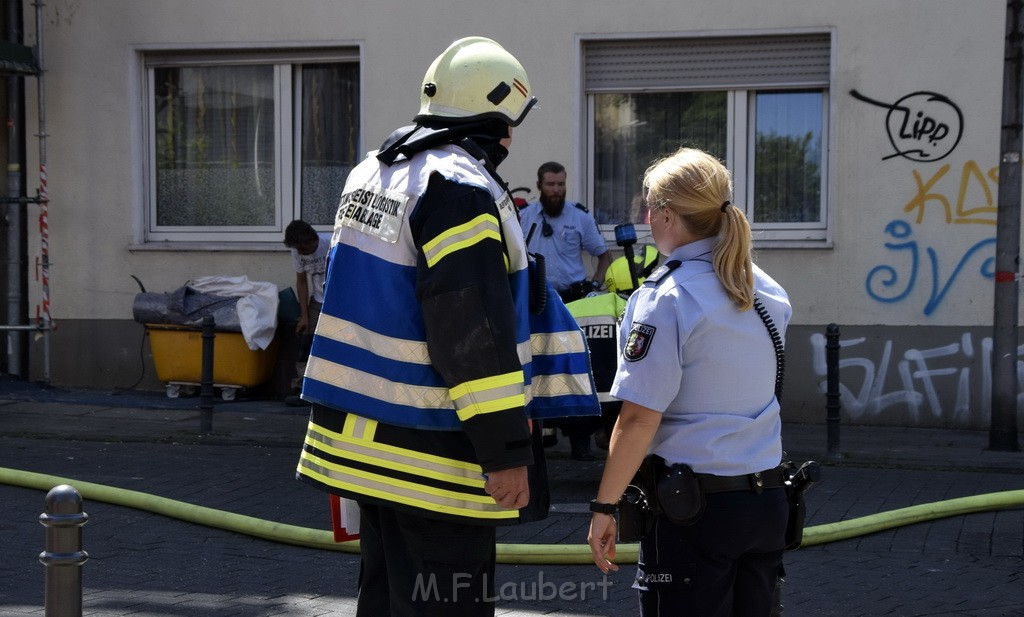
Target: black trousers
{"points": [[306, 340], [412, 566], [724, 565]]}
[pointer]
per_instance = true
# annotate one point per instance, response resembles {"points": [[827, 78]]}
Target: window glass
{"points": [[787, 157], [241, 143], [632, 130], [330, 131], [759, 103], [214, 146]]}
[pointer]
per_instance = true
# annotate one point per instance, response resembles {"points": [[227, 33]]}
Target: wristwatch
{"points": [[603, 508]]}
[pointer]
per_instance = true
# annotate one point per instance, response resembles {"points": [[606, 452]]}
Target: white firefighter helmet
{"points": [[476, 78]]}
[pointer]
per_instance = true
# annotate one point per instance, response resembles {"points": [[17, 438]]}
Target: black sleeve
{"points": [[469, 314]]}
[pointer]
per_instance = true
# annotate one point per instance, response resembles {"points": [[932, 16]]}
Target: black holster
{"points": [[639, 505], [798, 480]]}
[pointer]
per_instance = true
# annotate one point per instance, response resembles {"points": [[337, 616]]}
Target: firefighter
{"points": [[427, 363]]}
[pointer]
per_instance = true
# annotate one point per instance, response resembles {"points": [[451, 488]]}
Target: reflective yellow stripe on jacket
{"points": [[355, 462], [489, 394], [462, 236]]}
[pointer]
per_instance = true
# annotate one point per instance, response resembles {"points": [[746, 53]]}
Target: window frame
{"points": [[741, 115], [743, 168], [287, 66]]}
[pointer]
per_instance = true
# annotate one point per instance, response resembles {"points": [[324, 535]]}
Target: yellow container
{"points": [[178, 357]]}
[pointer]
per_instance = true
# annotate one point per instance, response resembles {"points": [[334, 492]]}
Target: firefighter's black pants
{"points": [[413, 566]]}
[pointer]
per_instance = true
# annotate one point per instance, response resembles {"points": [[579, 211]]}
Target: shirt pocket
{"points": [[571, 241]]}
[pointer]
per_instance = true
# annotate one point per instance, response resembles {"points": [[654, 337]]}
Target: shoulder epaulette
{"points": [[662, 272], [582, 207]]}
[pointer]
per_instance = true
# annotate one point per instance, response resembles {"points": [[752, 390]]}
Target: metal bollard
{"points": [[206, 377], [832, 405], [63, 518]]}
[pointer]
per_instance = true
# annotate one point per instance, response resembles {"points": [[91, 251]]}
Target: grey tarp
{"points": [[186, 307]]}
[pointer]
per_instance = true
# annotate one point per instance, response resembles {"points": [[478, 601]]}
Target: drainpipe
{"points": [[44, 200]]}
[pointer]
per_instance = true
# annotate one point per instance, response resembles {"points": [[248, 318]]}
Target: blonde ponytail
{"points": [[698, 187], [731, 258]]}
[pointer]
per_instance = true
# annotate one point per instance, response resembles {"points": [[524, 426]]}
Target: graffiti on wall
{"points": [[922, 126], [975, 202], [890, 284], [919, 381], [926, 127], [928, 256], [965, 199]]}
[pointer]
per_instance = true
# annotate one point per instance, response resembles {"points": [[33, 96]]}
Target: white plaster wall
{"points": [[883, 48]]}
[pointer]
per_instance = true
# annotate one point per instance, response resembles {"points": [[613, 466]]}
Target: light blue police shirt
{"points": [[685, 350], [573, 231]]}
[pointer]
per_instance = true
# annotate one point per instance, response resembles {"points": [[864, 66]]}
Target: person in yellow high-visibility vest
{"points": [[598, 317]]}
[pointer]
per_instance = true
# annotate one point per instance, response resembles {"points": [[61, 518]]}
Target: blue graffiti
{"points": [[896, 229], [884, 282]]}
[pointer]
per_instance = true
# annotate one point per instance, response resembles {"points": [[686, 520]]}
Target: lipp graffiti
{"points": [[922, 126]]}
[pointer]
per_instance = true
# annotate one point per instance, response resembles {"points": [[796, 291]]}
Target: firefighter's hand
{"points": [[509, 487], [301, 326]]}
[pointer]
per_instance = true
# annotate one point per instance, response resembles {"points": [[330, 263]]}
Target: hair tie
{"points": [[725, 205]]}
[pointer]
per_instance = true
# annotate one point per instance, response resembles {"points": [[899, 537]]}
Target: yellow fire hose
{"points": [[507, 553]]}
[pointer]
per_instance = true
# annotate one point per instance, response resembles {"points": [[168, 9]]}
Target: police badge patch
{"points": [[639, 341]]}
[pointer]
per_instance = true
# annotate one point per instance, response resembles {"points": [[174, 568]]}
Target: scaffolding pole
{"points": [[13, 205], [30, 62]]}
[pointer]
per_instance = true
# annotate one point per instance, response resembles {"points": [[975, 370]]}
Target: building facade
{"points": [[183, 136]]}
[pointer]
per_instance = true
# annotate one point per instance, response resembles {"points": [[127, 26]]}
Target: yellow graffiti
{"points": [[961, 214]]}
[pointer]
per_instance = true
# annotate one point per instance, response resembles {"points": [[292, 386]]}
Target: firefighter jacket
{"points": [[426, 361]]}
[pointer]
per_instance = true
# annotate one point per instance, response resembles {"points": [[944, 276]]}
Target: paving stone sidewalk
{"points": [[144, 564]]}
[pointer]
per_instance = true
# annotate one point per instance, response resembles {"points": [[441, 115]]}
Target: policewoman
{"points": [[697, 377], [429, 360]]}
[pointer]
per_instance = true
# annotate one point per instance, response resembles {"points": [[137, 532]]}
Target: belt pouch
{"points": [[680, 495]]}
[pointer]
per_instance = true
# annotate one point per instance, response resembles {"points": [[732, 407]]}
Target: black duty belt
{"points": [[756, 482]]}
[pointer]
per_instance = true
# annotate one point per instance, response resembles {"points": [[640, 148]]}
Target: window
{"points": [[758, 103], [241, 144]]}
